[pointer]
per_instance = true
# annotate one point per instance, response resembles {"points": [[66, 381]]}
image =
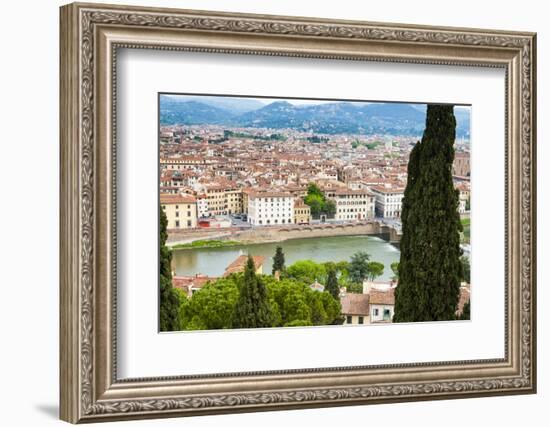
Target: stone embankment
{"points": [[251, 235]]}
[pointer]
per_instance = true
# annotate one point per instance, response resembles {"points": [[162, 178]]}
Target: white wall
{"points": [[29, 215]]}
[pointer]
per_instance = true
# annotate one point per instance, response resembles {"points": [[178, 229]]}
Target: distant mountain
{"points": [[328, 118], [232, 105], [191, 113]]}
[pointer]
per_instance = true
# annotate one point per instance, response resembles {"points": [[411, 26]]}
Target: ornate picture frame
{"points": [[90, 37]]}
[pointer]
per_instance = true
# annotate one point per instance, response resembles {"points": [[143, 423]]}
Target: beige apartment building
{"points": [[180, 210], [302, 212], [234, 201], [353, 204], [223, 200]]}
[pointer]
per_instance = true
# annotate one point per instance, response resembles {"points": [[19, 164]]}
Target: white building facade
{"points": [[388, 202], [381, 300], [270, 209], [202, 206]]}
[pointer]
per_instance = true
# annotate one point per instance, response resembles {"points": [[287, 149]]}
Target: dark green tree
{"points": [[316, 204], [169, 297], [465, 315], [332, 284], [430, 269], [465, 268], [252, 309], [329, 208], [278, 260], [313, 189], [359, 267], [395, 270]]}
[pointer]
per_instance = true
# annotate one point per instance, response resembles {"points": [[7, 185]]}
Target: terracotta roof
{"points": [[350, 191], [268, 194], [299, 203], [238, 265], [385, 190], [180, 159], [355, 304], [174, 199], [382, 297]]}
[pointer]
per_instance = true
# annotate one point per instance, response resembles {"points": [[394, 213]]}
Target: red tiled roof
{"points": [[269, 194], [382, 297], [299, 203], [174, 199], [390, 190], [355, 304]]}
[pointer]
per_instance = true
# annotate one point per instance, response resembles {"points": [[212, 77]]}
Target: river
{"points": [[213, 261]]}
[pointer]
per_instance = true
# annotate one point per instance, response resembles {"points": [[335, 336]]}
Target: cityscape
{"points": [[295, 205]]}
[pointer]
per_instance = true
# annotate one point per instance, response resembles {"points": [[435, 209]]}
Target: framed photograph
{"points": [[266, 212]]}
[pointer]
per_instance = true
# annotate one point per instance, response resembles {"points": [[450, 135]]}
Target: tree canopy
{"points": [[359, 267], [291, 303], [307, 271], [318, 203], [375, 269], [212, 307]]}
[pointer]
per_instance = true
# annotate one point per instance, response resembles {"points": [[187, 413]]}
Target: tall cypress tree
{"points": [[429, 268], [278, 260], [169, 298], [332, 284], [252, 309]]}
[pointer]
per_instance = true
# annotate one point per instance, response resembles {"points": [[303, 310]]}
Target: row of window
{"points": [[276, 199], [352, 216], [273, 210], [355, 202], [353, 196], [274, 214], [275, 221], [375, 313], [351, 210], [360, 320]]}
